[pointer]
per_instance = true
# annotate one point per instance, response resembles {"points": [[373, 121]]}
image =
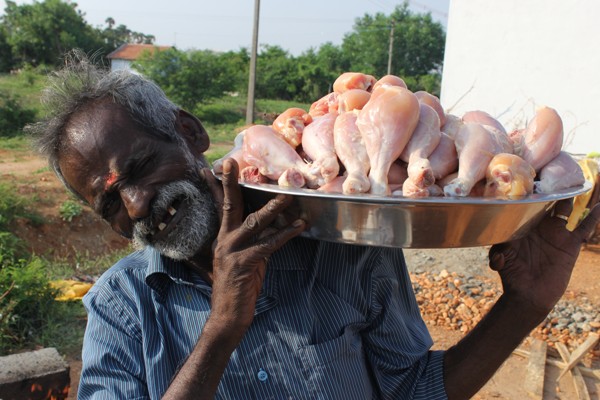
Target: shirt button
{"points": [[262, 375]]}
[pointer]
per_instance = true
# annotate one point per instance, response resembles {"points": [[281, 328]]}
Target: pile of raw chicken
{"points": [[378, 137]]}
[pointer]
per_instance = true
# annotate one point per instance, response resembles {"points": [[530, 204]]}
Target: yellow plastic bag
{"points": [[590, 171], [70, 289]]}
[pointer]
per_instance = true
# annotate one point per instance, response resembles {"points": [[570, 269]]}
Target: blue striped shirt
{"points": [[332, 321]]}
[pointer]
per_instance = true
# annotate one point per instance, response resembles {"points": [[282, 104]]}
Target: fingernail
{"points": [[226, 167], [298, 223]]}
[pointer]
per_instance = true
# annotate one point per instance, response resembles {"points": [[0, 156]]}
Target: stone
{"points": [[39, 374]]}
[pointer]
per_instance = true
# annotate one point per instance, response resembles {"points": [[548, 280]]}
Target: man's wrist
{"points": [[525, 308], [228, 331]]}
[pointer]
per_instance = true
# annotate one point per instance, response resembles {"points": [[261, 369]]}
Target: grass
{"points": [[27, 86], [16, 144], [14, 206], [83, 264], [64, 328]]}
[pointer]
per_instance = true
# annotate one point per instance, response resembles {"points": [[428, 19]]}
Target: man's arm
{"points": [[535, 272], [240, 256]]}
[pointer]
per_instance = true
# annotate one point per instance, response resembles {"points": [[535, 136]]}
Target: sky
{"points": [[223, 25]]}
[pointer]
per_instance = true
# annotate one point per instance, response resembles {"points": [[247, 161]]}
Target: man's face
{"points": [[146, 188]]}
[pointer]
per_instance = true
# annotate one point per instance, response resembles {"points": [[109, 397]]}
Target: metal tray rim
{"points": [[438, 200]]}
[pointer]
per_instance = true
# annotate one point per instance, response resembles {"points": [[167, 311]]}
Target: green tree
{"points": [[317, 70], [13, 116], [274, 74], [238, 64], [41, 32], [189, 77], [114, 37], [5, 51], [418, 45]]}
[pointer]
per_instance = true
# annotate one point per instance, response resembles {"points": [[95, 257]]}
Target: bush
{"points": [[13, 116], [12, 206], [11, 248], [69, 210], [26, 301], [220, 113]]}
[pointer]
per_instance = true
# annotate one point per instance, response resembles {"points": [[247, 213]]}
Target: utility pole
{"points": [[389, 70], [252, 77]]}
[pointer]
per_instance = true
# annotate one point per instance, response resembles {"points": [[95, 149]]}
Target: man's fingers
{"points": [[216, 190], [233, 208], [589, 223], [502, 254], [496, 256], [268, 244], [563, 208], [259, 220]]}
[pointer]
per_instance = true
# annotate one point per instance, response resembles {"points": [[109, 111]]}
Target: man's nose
{"points": [[137, 200]]}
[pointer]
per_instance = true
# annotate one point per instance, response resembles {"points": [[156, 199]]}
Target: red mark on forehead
{"points": [[111, 178]]}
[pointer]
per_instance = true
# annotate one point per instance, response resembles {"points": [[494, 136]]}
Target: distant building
{"points": [[123, 56]]}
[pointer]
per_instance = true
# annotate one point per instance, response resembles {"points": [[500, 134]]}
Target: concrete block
{"points": [[41, 374]]}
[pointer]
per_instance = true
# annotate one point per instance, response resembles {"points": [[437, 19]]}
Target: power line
{"points": [[428, 8]]}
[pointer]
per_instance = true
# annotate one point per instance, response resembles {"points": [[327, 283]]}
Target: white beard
{"points": [[195, 230]]}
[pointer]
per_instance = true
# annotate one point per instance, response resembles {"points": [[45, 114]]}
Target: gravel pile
{"points": [[458, 302], [453, 300]]}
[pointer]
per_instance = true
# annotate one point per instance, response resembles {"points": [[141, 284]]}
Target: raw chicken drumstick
{"points": [[542, 140], [266, 150], [425, 138], [351, 150], [317, 143], [560, 173], [476, 146], [433, 102], [452, 125], [236, 153], [353, 99], [508, 176], [386, 123], [444, 159], [326, 104], [290, 124], [353, 80], [390, 80], [483, 118]]}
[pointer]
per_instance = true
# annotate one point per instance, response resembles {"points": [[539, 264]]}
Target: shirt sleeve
{"points": [[112, 352], [398, 341]]}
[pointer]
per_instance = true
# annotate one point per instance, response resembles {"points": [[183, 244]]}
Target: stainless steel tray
{"points": [[436, 222]]}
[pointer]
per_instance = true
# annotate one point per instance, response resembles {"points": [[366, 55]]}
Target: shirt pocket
{"points": [[337, 368]]}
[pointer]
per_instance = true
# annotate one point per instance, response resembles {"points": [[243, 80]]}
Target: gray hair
{"points": [[79, 84]]}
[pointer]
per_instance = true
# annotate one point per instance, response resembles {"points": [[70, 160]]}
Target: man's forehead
{"points": [[92, 125], [78, 132]]}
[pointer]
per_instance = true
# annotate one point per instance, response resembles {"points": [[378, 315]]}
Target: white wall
{"points": [[119, 64], [508, 57]]}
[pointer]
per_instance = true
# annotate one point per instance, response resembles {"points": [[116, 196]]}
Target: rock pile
{"points": [[570, 322], [452, 300], [458, 302]]}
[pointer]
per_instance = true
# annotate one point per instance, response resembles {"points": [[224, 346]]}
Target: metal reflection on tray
{"points": [[435, 222]]}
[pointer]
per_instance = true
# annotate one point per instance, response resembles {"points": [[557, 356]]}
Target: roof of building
{"points": [[133, 51]]}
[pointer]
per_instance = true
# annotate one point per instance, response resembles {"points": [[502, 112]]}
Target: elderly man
{"points": [[220, 303]]}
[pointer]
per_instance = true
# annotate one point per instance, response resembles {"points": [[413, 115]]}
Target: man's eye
{"points": [[109, 207], [138, 170]]}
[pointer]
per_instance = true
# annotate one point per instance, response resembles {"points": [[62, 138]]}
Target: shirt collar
{"points": [[297, 254], [163, 272]]}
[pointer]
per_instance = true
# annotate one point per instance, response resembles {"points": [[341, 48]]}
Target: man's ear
{"points": [[192, 131]]}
